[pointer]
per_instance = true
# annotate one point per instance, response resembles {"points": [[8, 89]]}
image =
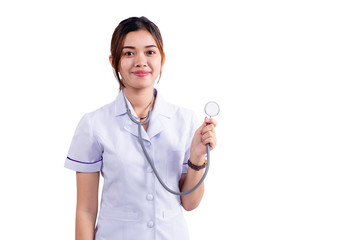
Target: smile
{"points": [[141, 73]]}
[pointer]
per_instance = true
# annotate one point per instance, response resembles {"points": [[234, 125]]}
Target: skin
{"points": [[140, 53]]}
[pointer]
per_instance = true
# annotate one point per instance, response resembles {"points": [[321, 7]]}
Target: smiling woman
{"points": [[140, 60], [118, 44], [133, 204]]}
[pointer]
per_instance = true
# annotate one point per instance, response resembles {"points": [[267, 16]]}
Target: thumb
{"points": [[203, 124]]}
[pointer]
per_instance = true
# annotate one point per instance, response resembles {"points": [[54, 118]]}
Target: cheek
{"points": [[124, 66], [157, 65]]}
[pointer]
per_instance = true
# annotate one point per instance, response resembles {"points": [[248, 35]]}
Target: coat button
{"points": [[150, 197], [151, 224]]}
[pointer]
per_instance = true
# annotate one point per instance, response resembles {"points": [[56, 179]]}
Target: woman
{"points": [[133, 204]]}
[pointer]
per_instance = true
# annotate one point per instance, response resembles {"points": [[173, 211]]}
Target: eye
{"points": [[150, 52], [128, 53]]}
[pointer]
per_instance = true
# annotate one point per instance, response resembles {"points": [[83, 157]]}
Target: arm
{"points": [[204, 135], [87, 205], [187, 182]]}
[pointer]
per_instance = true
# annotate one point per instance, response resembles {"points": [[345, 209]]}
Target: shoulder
{"points": [[173, 111], [179, 114], [185, 113], [101, 114]]}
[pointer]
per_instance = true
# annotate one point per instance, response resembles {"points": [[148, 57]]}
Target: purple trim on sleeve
{"points": [[84, 162]]}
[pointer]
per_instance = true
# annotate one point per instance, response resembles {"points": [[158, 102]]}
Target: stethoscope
{"points": [[211, 109]]}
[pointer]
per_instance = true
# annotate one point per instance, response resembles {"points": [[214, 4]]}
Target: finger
{"points": [[211, 141], [211, 121], [208, 135], [208, 128], [200, 129]]}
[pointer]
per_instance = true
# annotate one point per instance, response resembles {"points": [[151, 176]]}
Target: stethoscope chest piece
{"points": [[212, 109]]}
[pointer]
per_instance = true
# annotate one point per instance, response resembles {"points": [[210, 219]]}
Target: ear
{"points": [[110, 60]]}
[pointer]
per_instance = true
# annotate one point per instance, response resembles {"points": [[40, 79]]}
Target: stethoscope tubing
{"points": [[151, 163], [148, 158]]}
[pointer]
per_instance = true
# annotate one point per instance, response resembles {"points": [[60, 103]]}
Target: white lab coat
{"points": [[133, 204]]}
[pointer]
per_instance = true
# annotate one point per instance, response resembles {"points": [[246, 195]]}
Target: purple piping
{"points": [[84, 162]]}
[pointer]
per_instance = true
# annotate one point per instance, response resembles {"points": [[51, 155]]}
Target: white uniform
{"points": [[134, 205]]}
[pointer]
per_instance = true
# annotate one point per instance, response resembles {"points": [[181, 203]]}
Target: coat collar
{"points": [[162, 112], [161, 107]]}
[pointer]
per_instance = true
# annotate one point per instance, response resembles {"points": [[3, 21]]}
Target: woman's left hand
{"points": [[204, 134]]}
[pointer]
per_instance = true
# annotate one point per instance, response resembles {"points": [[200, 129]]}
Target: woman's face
{"points": [[140, 61]]}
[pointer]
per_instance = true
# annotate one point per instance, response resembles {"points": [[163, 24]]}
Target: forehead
{"points": [[139, 38]]}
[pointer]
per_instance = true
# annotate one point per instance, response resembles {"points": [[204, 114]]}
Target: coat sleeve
{"points": [[85, 152], [193, 126]]}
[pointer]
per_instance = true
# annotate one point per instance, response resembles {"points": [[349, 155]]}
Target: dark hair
{"points": [[118, 38]]}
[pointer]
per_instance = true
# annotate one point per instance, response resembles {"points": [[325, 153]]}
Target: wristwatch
{"points": [[196, 167]]}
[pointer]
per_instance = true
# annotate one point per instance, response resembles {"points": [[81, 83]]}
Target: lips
{"points": [[141, 73]]}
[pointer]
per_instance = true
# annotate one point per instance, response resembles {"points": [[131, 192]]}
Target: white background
{"points": [[285, 73]]}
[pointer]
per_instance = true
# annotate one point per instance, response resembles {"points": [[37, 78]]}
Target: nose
{"points": [[141, 60]]}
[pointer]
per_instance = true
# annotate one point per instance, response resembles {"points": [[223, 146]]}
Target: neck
{"points": [[140, 100]]}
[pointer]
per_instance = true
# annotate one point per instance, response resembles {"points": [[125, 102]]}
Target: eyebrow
{"points": [[131, 47]]}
